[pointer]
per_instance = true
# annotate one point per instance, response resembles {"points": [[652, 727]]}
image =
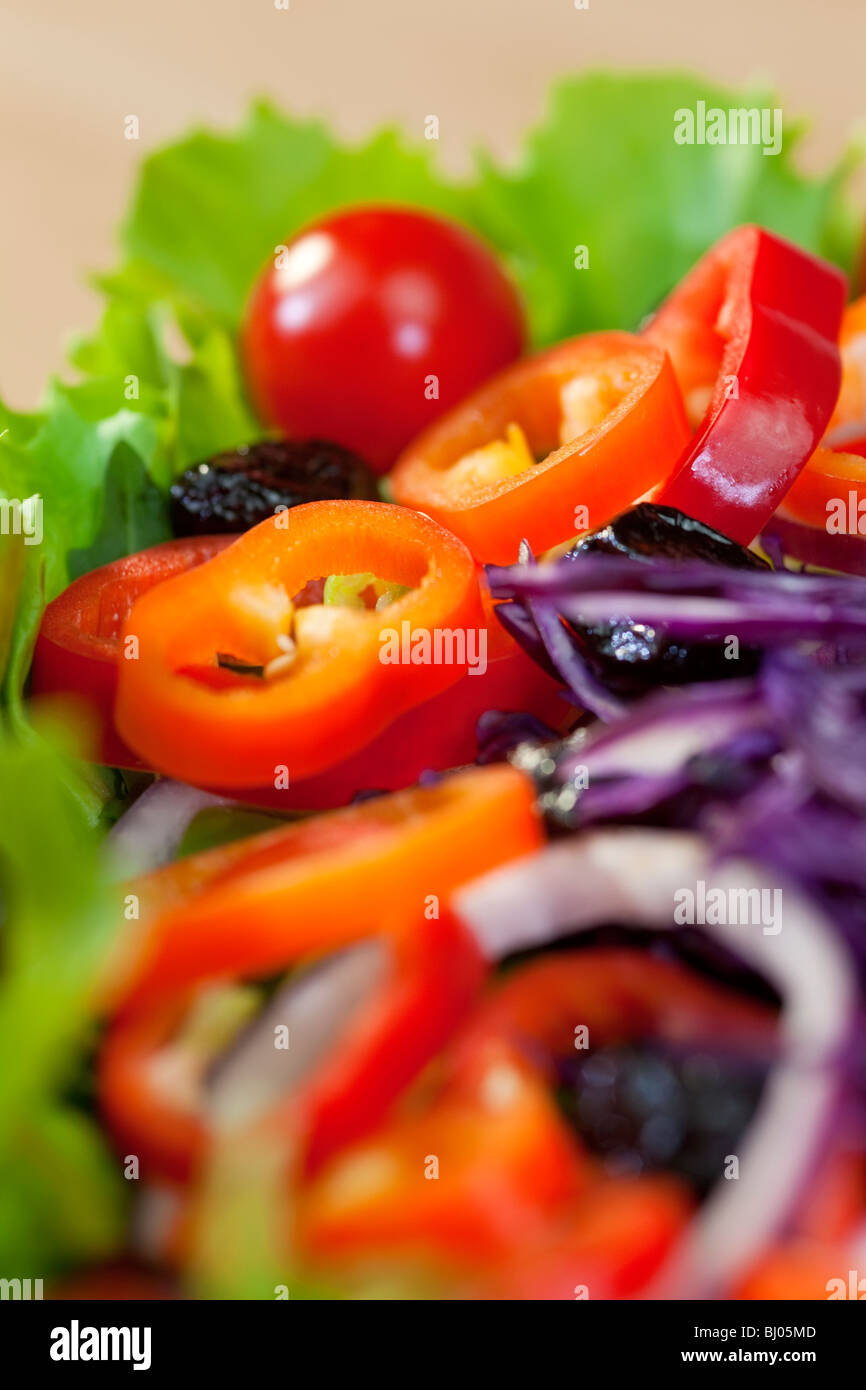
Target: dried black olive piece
{"points": [[644, 1107], [236, 490], [630, 656], [647, 531]]}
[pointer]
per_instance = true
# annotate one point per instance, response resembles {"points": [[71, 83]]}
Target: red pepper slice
{"points": [[78, 649], [264, 904], [333, 693], [848, 424], [752, 329], [438, 734], [255, 906], [144, 1111], [603, 415], [151, 1092], [830, 493]]}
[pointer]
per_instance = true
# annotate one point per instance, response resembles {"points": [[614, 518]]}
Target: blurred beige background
{"points": [[70, 73]]}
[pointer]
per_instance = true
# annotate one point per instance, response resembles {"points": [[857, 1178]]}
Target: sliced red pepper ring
{"points": [[752, 329], [603, 415], [255, 906], [847, 427], [148, 1090], [340, 676], [439, 734], [152, 1063], [830, 494], [79, 650]]}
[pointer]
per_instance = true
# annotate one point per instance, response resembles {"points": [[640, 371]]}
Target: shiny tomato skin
{"points": [[78, 648], [342, 338]]}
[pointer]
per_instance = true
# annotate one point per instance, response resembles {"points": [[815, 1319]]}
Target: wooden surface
{"points": [[70, 73]]}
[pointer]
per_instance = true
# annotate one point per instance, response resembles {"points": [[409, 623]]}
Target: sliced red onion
{"points": [[571, 666], [814, 546], [315, 1006], [663, 732], [150, 832], [632, 876], [709, 619], [594, 574]]}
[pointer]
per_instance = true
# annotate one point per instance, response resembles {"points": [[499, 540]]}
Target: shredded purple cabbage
{"points": [[785, 538], [499, 732], [772, 766]]}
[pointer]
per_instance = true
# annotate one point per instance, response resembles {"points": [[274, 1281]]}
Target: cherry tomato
{"points": [[78, 649], [373, 322]]}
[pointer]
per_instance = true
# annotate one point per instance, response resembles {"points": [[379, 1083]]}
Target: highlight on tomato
{"points": [[372, 322]]}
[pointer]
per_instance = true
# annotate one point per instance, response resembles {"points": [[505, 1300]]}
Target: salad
{"points": [[433, 747]]}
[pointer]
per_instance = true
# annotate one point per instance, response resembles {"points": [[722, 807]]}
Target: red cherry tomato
{"points": [[78, 648], [347, 330]]}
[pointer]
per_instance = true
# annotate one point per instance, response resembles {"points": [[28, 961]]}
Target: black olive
{"points": [[646, 1107], [236, 490], [647, 531], [631, 656]]}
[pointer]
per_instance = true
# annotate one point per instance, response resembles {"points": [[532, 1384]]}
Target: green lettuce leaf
{"points": [[603, 171], [91, 473], [62, 1192]]}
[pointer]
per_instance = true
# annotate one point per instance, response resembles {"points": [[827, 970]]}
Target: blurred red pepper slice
{"points": [[256, 906], [847, 427], [152, 1062], [378, 869], [619, 1233], [752, 332]]}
